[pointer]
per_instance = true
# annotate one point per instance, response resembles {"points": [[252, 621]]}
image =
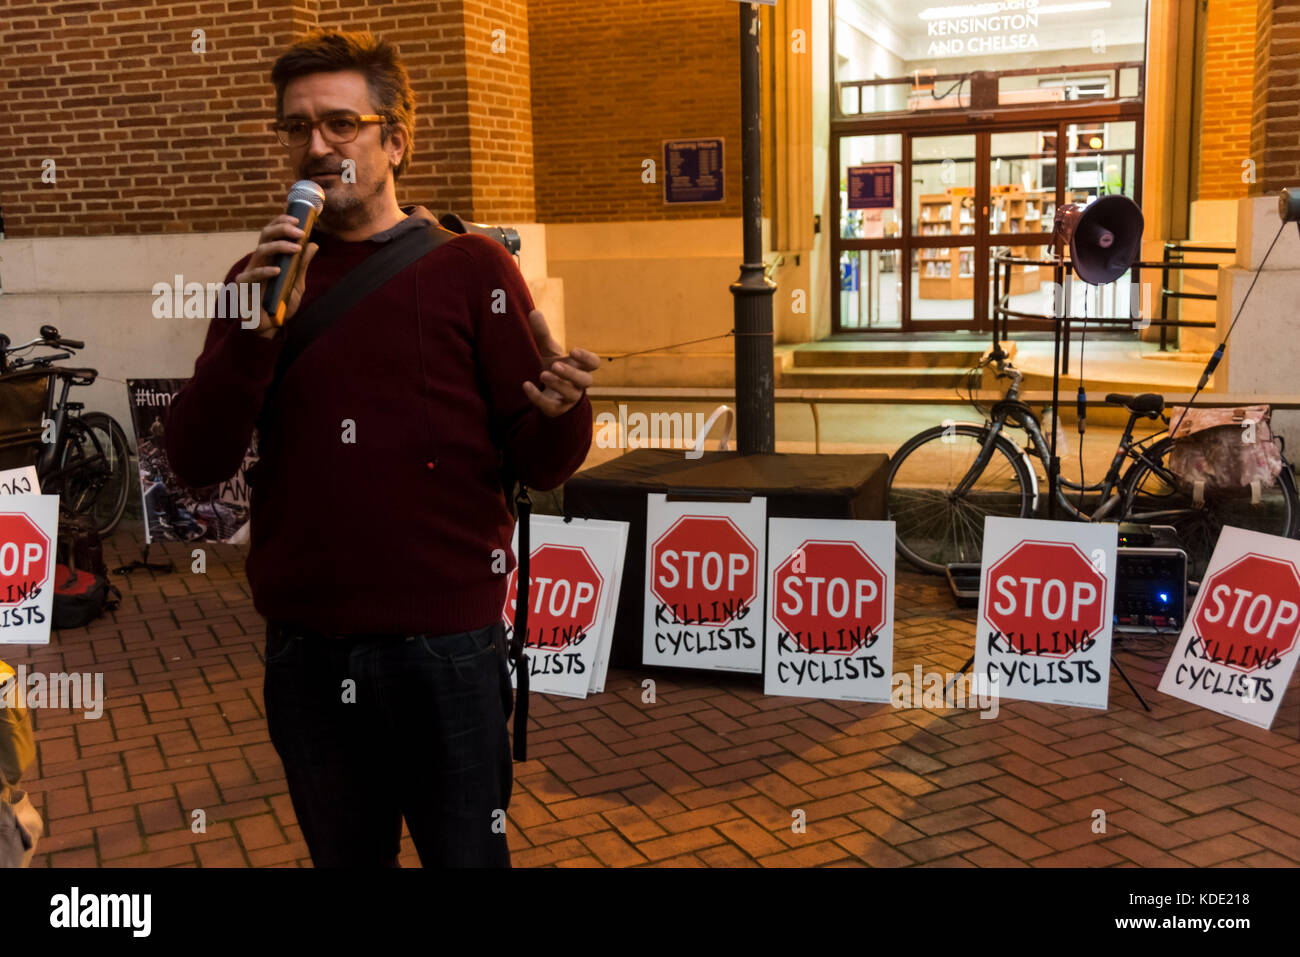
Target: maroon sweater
{"points": [[397, 531]]}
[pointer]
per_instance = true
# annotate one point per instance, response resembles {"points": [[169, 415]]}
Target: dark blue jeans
{"points": [[419, 733]]}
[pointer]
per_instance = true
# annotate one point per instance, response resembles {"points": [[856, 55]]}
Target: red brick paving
{"points": [[713, 774]]}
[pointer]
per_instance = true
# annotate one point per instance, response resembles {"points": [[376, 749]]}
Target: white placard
{"points": [[1239, 646], [704, 584], [610, 613], [575, 571], [1046, 610], [830, 609], [23, 481], [29, 529]]}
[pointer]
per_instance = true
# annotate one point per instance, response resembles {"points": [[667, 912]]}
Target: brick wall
{"points": [[613, 79], [500, 111], [1275, 123], [148, 136], [1227, 82]]}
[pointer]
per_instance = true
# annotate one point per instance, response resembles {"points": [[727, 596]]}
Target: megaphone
{"points": [[1104, 237], [503, 234]]}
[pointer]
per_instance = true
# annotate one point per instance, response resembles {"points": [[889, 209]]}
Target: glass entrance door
{"points": [[923, 214], [946, 231]]}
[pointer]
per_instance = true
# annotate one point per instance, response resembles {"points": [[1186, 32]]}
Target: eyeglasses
{"points": [[336, 128]]}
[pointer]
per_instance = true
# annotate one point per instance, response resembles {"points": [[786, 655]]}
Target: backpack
{"points": [[80, 597], [1225, 451], [81, 588]]}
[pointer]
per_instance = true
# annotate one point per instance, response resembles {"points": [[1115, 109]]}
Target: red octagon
{"points": [[1038, 588], [704, 570], [564, 596], [823, 587], [24, 552], [1249, 612]]}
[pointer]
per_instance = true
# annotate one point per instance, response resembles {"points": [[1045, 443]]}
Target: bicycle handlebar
{"points": [[1004, 368], [49, 337], [38, 361]]}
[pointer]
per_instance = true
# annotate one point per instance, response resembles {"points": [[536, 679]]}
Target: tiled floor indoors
{"points": [[709, 775]]}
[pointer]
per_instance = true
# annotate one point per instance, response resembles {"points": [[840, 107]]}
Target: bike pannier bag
{"points": [[22, 411], [1230, 451]]}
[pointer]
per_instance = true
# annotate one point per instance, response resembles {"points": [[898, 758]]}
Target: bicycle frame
{"points": [[49, 467], [1011, 411]]}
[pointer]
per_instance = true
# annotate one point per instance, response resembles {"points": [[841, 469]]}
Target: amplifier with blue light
{"points": [[1150, 590]]}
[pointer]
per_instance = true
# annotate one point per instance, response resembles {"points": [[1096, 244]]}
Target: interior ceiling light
{"points": [[998, 6]]}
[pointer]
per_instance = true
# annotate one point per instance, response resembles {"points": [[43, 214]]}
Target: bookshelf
{"points": [[946, 272], [1016, 210]]}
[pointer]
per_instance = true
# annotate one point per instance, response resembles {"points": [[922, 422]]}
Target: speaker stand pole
{"points": [[1120, 671], [960, 671], [1063, 304]]}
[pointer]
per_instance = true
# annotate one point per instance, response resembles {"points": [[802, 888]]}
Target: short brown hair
{"points": [[331, 51]]}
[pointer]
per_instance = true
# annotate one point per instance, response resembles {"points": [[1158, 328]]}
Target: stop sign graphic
{"points": [[823, 587], [563, 596], [704, 569], [1038, 588], [1250, 612], [24, 551]]}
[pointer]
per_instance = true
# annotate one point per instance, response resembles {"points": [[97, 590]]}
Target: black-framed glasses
{"points": [[336, 128]]}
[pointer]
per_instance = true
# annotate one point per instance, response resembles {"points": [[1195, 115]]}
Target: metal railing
{"points": [[921, 85], [1171, 261]]}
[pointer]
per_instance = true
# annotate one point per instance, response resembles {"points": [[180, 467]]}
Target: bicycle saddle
{"points": [[1148, 403]]}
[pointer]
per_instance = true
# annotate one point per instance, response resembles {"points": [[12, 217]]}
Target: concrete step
{"points": [[898, 357], [865, 377]]}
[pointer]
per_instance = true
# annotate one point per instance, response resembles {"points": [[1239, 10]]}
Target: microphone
{"points": [[306, 200]]}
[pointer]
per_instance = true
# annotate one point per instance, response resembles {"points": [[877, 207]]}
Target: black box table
{"points": [[795, 486]]}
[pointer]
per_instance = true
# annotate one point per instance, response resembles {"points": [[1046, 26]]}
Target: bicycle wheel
{"points": [[97, 465], [1152, 497], [935, 527]]}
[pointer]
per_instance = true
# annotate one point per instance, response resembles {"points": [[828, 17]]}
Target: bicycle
{"points": [[83, 457], [945, 481]]}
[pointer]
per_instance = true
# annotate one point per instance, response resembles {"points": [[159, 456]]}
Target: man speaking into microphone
{"points": [[380, 522]]}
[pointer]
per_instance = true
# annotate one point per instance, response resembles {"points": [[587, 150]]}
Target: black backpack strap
{"points": [[363, 279], [520, 635]]}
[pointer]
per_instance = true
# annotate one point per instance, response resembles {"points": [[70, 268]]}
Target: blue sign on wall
{"points": [[872, 186], [693, 171]]}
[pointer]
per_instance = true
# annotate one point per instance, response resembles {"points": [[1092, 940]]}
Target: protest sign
{"points": [[1047, 591], [1238, 648], [830, 609], [704, 590], [575, 569]]}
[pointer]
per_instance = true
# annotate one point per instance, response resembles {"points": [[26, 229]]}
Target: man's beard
{"points": [[346, 207]]}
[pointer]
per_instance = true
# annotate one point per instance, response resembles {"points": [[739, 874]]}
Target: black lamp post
{"points": [[755, 410]]}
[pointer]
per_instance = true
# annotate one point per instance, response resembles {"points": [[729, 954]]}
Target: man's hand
{"points": [[566, 377], [281, 235]]}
